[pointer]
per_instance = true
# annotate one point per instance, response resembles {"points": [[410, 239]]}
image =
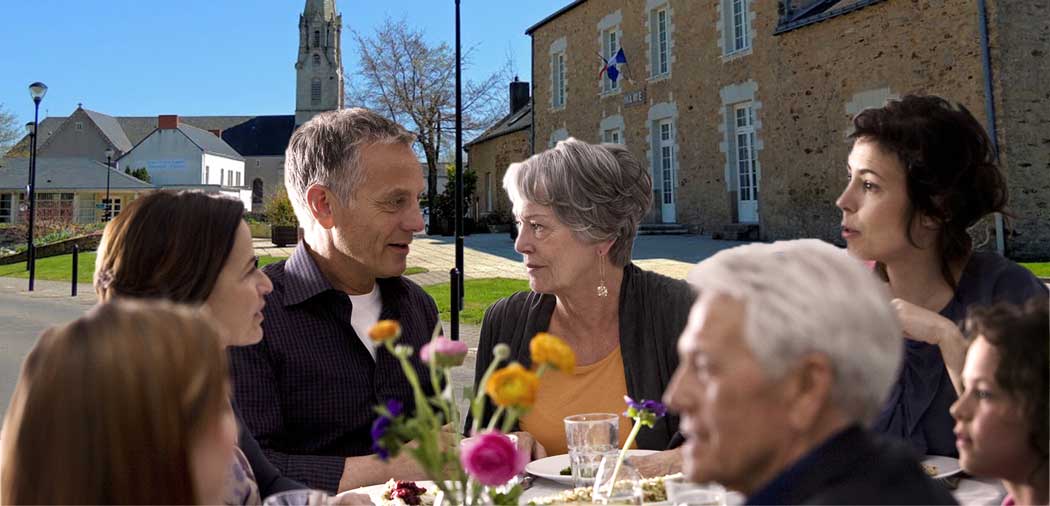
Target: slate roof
{"points": [[513, 122], [208, 142], [66, 174], [111, 129], [248, 135], [550, 18], [47, 127]]}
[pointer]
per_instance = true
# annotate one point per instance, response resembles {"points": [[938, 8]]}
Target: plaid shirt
{"points": [[306, 391]]}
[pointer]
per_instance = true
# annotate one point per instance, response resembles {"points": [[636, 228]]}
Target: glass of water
{"points": [[590, 437]]}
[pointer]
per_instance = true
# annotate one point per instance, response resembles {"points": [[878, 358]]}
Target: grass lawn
{"points": [[481, 293], [58, 268], [1041, 269]]}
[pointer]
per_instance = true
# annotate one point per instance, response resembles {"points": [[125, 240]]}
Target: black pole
{"points": [[457, 298], [29, 184], [109, 203], [76, 253], [31, 250]]}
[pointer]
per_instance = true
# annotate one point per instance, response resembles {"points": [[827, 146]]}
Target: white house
{"points": [[178, 155]]}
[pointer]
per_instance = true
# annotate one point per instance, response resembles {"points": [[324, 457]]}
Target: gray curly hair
{"points": [[599, 191]]}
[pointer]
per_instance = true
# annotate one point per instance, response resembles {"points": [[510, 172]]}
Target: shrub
{"points": [[279, 209]]}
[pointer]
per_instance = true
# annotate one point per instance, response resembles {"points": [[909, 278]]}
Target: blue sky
{"points": [[213, 57]]}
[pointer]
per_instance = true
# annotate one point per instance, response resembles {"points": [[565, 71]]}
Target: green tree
{"points": [[445, 203], [279, 210], [140, 173]]}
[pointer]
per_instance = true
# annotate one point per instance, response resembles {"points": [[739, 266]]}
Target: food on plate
{"points": [[653, 490], [406, 493], [566, 472], [930, 469]]}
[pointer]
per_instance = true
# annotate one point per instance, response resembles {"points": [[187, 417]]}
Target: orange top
{"points": [[593, 388]]}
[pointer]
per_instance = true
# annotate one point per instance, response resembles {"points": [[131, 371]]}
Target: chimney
{"points": [[216, 132], [519, 95], [168, 121]]}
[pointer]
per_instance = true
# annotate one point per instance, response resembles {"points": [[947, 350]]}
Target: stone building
{"points": [[502, 144], [741, 107]]}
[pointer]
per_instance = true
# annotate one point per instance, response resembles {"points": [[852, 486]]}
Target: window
{"points": [[744, 119], [488, 191], [317, 38], [315, 92], [80, 125], [665, 157], [735, 25], [238, 179], [258, 163], [113, 205], [5, 208], [661, 63], [222, 176], [54, 206], [610, 45], [612, 136], [257, 191], [317, 60], [206, 171], [558, 73], [229, 178]]}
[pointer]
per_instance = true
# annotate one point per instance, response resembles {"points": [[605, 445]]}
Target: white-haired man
{"points": [[789, 351], [307, 390]]}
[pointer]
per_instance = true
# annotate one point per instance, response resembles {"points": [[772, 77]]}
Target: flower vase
{"points": [[627, 488], [460, 495]]}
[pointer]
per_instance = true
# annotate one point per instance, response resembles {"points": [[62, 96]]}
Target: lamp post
{"points": [[37, 91], [31, 127], [109, 203]]}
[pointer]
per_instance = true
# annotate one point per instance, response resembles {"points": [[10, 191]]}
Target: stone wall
{"points": [[86, 243], [492, 157], [804, 86]]}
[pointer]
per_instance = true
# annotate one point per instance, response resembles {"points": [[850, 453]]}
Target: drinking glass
{"points": [[624, 488], [682, 492], [301, 497], [590, 437]]}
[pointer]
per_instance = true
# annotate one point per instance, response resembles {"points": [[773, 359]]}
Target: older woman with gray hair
{"points": [[789, 353], [578, 207]]}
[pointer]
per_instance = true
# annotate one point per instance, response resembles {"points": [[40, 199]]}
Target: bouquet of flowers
{"points": [[475, 470]]}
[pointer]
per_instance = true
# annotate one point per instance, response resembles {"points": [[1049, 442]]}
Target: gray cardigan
{"points": [[653, 311]]}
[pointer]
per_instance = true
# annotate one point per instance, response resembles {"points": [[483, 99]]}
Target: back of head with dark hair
{"points": [[1021, 335], [167, 245], [950, 166]]}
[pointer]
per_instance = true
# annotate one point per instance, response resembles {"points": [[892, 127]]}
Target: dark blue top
{"points": [[917, 408], [854, 467], [307, 390]]}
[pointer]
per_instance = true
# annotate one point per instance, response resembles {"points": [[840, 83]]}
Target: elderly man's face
{"points": [[732, 414], [374, 230]]}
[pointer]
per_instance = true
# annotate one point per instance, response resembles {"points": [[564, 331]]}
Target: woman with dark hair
{"points": [[102, 416], [1002, 425], [194, 248], [921, 173]]}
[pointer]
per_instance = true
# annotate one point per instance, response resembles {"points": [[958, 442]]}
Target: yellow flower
{"points": [[513, 386], [549, 349], [385, 330]]}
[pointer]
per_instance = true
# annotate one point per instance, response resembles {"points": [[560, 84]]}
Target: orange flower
{"points": [[549, 349], [385, 330], [513, 386]]}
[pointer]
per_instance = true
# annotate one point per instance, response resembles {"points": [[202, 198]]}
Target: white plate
{"points": [[375, 492], [551, 467], [946, 466]]}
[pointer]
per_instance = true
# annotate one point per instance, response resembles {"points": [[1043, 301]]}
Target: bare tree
{"points": [[10, 132], [413, 82]]}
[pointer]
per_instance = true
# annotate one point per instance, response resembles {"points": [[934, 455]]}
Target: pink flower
{"points": [[444, 352], [492, 458]]}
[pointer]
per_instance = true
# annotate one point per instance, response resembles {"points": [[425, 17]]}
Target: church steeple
{"points": [[319, 67]]}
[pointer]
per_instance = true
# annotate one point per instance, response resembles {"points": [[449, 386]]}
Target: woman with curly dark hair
{"points": [[922, 171], [1002, 426]]}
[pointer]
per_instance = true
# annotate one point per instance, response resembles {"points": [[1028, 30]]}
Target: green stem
{"points": [[478, 404], [623, 453], [495, 418], [508, 421]]}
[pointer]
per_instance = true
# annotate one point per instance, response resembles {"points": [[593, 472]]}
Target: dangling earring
{"points": [[603, 291]]}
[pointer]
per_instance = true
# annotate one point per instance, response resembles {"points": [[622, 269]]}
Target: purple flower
{"points": [[444, 352], [380, 427], [645, 412]]}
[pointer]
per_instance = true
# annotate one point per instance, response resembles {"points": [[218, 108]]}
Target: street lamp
{"points": [[109, 205], [37, 91], [31, 128]]}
